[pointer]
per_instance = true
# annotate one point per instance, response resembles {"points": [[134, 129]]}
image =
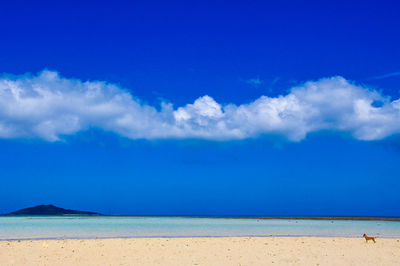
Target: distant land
{"points": [[57, 211], [50, 210]]}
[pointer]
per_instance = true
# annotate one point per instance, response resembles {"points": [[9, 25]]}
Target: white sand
{"points": [[202, 251]]}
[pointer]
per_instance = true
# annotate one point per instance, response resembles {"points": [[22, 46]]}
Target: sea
{"points": [[71, 227]]}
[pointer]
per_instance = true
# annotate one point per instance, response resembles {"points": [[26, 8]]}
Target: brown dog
{"points": [[369, 238]]}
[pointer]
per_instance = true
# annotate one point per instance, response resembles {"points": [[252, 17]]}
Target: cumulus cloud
{"points": [[48, 106]]}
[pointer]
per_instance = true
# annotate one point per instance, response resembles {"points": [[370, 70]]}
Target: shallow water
{"points": [[31, 227]]}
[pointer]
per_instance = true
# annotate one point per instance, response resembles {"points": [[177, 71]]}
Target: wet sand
{"points": [[202, 251]]}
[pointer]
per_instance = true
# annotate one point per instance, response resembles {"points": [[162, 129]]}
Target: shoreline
{"points": [[191, 237]]}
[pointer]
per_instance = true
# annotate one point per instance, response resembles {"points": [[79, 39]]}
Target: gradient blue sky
{"points": [[176, 52]]}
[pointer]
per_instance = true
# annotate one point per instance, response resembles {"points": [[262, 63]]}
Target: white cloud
{"points": [[388, 75], [255, 81], [48, 106]]}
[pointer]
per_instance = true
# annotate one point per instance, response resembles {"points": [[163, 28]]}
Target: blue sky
{"points": [[201, 108]]}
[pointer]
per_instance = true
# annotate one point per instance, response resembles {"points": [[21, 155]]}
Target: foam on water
{"points": [[29, 227]]}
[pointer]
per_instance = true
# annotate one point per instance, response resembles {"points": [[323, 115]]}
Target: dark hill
{"points": [[50, 210]]}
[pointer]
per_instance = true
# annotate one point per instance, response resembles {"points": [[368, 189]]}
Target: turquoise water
{"points": [[106, 227]]}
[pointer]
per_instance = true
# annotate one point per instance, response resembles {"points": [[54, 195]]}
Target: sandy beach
{"points": [[202, 251]]}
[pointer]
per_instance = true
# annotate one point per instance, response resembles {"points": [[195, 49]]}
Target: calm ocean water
{"points": [[105, 227]]}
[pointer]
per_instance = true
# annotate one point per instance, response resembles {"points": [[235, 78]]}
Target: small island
{"points": [[49, 210]]}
